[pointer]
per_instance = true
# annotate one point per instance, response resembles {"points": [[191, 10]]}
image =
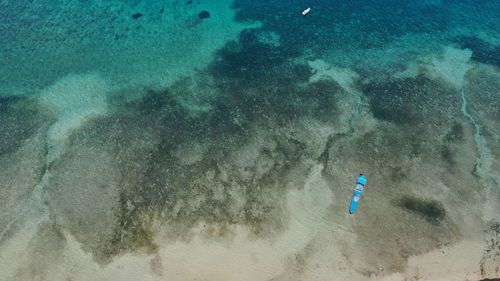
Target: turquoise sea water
{"points": [[159, 140]]}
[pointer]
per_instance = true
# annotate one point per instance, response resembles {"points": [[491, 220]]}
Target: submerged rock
{"points": [[433, 211], [204, 14], [136, 15]]}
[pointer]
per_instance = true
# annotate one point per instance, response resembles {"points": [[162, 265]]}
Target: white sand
{"points": [[14, 252], [459, 262]]}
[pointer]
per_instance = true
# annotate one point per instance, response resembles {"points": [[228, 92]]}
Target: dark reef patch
{"points": [[405, 101], [447, 155], [390, 145], [456, 134], [231, 163], [451, 140], [482, 51], [495, 228], [20, 118], [490, 260], [204, 14], [137, 16], [129, 234], [383, 21], [398, 174], [261, 82], [153, 136], [252, 60], [433, 211]]}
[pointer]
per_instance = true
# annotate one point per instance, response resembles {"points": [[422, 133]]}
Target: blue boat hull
{"points": [[358, 191], [354, 202]]}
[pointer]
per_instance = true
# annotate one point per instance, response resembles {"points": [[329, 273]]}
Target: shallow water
{"points": [[142, 140]]}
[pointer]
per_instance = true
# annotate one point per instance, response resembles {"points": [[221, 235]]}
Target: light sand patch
{"points": [[322, 70], [84, 196], [76, 264], [270, 38], [449, 67], [75, 99], [190, 153], [346, 78], [412, 70], [481, 95], [79, 265], [14, 251], [458, 262], [384, 61], [489, 36], [20, 173], [242, 258]]}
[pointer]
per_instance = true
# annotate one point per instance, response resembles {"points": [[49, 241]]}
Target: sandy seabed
{"points": [[217, 149]]}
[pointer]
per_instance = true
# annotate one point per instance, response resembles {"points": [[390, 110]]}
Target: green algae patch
{"points": [[143, 237], [134, 230]]}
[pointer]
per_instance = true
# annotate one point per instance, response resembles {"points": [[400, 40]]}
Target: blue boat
{"points": [[358, 191]]}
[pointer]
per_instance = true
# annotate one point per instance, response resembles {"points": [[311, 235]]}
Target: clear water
{"points": [[146, 140]]}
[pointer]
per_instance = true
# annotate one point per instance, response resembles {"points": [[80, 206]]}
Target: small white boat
{"points": [[306, 11]]}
